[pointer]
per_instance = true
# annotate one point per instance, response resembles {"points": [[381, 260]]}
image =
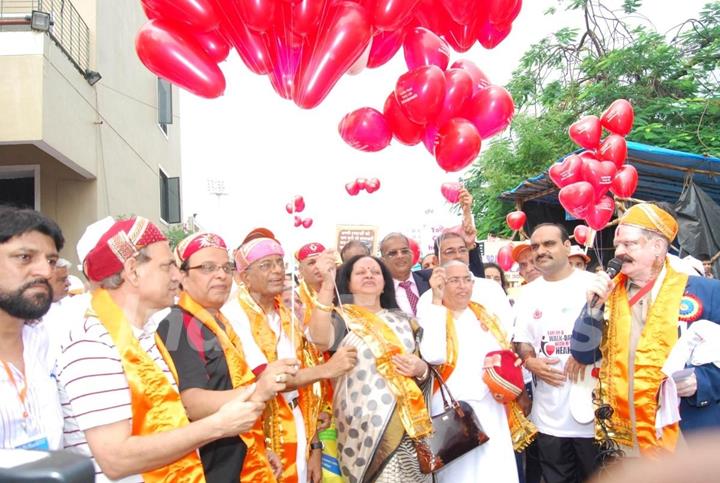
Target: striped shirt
{"points": [[93, 388], [41, 402]]}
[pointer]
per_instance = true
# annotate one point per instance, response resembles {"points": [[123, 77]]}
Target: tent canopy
{"points": [[661, 172]]}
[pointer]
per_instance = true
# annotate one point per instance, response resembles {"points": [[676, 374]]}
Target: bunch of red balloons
{"points": [[369, 185], [585, 178], [451, 110], [303, 46], [297, 205]]}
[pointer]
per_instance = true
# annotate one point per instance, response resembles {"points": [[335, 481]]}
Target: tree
{"points": [[671, 80]]}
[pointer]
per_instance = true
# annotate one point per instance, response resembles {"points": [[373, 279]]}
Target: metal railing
{"points": [[68, 30]]}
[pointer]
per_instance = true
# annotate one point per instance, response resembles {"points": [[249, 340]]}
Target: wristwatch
{"points": [[316, 445]]}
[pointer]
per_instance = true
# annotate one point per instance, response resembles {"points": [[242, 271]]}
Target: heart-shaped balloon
{"points": [[618, 117], [614, 148], [577, 198], [290, 208], [299, 203], [581, 233], [297, 221], [458, 144], [423, 47], [462, 36], [505, 258], [567, 172], [491, 34], [167, 51], [599, 215], [458, 89], [480, 80], [352, 188], [420, 93], [372, 185], [586, 131], [490, 110], [403, 129], [516, 219], [200, 14], [502, 11], [307, 222], [600, 174], [361, 182], [625, 182], [451, 191], [365, 129]]}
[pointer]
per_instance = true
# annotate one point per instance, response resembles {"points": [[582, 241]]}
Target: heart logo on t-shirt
{"points": [[550, 349]]}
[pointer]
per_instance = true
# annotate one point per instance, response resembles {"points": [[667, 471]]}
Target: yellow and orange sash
{"points": [[156, 405], [384, 344], [256, 466], [278, 419], [522, 431], [658, 337]]}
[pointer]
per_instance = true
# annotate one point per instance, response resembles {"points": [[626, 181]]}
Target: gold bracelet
{"points": [[323, 307]]}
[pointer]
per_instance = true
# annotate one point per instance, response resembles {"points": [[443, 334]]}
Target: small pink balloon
{"points": [[299, 203], [504, 257], [372, 185], [490, 110], [298, 221], [365, 129], [451, 191], [307, 222], [515, 220]]}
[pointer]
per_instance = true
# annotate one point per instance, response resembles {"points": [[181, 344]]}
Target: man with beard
{"points": [[119, 397], [30, 414], [545, 314]]}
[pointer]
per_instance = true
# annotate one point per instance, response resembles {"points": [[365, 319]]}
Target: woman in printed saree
{"points": [[381, 405]]}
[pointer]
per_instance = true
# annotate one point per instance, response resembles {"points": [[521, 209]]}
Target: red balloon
{"points": [[214, 45], [600, 174], [461, 11], [299, 204], [305, 15], [515, 220], [420, 93], [567, 172], [577, 198], [170, 53], [392, 14], [361, 182], [365, 129], [458, 89], [403, 129], [307, 222], [285, 61], [415, 249], [252, 47], [502, 11], [451, 191], [372, 185], [586, 132], [614, 148], [258, 15], [422, 47], [200, 14], [480, 80], [490, 110], [599, 215], [462, 36], [352, 188], [430, 138], [490, 34], [384, 47], [588, 156], [581, 233], [343, 35], [625, 182], [619, 117], [458, 144], [505, 258], [297, 221]]}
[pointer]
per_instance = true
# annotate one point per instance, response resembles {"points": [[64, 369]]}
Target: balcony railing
{"points": [[68, 30]]}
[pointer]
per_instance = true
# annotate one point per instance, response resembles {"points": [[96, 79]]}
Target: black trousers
{"points": [[566, 460]]}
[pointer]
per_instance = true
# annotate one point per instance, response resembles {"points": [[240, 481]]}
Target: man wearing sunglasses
{"points": [[210, 361]]}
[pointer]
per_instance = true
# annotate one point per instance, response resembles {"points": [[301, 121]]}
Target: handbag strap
{"points": [[445, 390]]}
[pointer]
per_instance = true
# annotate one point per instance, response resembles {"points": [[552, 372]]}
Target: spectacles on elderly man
{"points": [[397, 253], [208, 268]]}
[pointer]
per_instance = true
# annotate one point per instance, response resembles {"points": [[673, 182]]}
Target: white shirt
{"points": [[546, 313], [41, 402], [401, 295], [93, 388], [58, 318]]}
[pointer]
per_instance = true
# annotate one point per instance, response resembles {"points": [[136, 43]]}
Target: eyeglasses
{"points": [[208, 268], [268, 265], [398, 253], [459, 280], [451, 252]]}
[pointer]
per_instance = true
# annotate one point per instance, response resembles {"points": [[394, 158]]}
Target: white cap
{"points": [[91, 236], [576, 251]]}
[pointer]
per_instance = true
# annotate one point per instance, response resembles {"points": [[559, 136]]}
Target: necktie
{"points": [[412, 298]]}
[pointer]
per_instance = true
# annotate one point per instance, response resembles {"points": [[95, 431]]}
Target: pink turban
{"points": [[255, 250]]}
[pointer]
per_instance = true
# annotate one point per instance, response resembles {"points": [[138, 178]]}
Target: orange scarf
{"points": [[156, 405], [384, 344], [278, 419], [256, 466], [522, 431], [658, 337]]}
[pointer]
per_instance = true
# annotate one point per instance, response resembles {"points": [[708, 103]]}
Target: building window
{"points": [[164, 94], [169, 199]]}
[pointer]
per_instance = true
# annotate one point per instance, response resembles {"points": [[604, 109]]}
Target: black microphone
{"points": [[614, 266]]}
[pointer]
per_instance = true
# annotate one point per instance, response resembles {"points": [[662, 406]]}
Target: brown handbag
{"points": [[456, 431]]}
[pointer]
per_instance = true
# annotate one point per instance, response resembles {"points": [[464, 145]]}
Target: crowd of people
{"points": [[205, 363]]}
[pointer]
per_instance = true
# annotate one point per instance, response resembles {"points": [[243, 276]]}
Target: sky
{"points": [[266, 150]]}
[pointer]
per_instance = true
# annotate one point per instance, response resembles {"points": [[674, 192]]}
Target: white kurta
{"points": [[255, 357], [496, 458]]}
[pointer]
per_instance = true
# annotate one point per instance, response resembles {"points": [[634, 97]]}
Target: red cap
{"points": [[502, 377], [195, 242], [121, 242], [309, 250], [259, 233]]}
